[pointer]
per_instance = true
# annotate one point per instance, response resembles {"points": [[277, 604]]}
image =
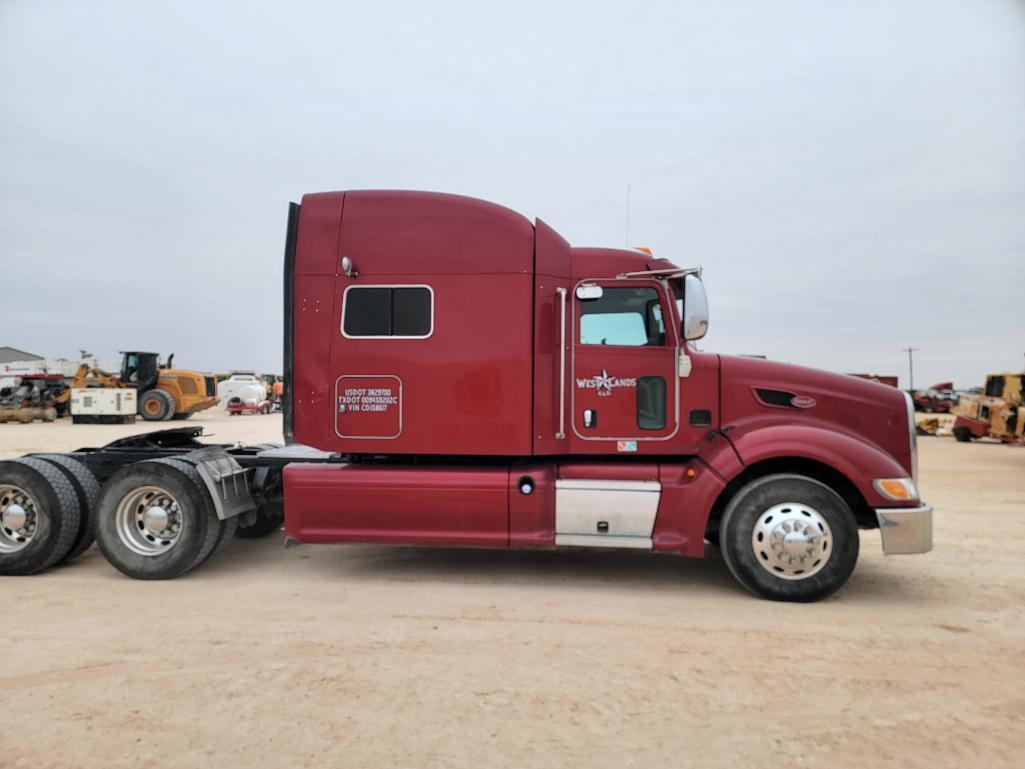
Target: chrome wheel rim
{"points": [[149, 521], [19, 518], [792, 541]]}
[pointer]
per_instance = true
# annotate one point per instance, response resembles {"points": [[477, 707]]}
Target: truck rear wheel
{"points": [[87, 489], [156, 406], [155, 520], [39, 516], [789, 538], [225, 529]]}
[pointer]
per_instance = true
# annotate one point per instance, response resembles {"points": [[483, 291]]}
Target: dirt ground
{"points": [[366, 656]]}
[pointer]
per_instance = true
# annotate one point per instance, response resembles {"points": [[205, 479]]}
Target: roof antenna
{"points": [[627, 241]]}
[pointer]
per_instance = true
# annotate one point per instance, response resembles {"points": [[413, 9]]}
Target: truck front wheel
{"points": [[789, 538]]}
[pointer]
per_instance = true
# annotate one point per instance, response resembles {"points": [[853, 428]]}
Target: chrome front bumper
{"points": [[905, 529]]}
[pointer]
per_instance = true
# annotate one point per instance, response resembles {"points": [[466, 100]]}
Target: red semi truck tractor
{"points": [[459, 375]]}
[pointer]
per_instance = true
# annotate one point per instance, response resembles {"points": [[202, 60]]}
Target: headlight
{"points": [[899, 489], [912, 435]]}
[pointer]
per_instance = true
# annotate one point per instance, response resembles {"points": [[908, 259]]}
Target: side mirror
{"points": [[589, 291], [694, 323]]}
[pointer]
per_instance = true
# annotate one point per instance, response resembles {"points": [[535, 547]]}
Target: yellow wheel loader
{"points": [[166, 392], [163, 392]]}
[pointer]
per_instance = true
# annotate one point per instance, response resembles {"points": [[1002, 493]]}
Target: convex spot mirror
{"points": [[695, 308], [589, 291]]}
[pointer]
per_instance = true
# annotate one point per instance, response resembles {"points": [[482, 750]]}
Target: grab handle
{"points": [[562, 363]]}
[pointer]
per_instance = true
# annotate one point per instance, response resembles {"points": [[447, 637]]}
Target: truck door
{"points": [[624, 387]]}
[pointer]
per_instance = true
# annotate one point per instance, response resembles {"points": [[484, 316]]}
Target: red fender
{"points": [[857, 460], [687, 501]]}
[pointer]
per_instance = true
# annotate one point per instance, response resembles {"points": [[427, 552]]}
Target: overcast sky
{"points": [[850, 174]]}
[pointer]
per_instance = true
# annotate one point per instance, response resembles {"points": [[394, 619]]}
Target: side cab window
{"points": [[398, 312], [623, 316]]}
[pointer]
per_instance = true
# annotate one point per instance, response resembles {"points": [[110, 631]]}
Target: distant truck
{"points": [[457, 375], [938, 399], [996, 413]]}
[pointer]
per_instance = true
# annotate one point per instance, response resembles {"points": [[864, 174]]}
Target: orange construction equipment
{"points": [[164, 392]]}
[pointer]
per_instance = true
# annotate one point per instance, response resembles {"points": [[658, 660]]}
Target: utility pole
{"points": [[911, 366]]}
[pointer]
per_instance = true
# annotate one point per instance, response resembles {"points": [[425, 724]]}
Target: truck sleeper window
{"points": [[389, 311], [630, 317]]}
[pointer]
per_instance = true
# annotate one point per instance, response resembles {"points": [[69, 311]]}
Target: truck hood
{"points": [[757, 393]]}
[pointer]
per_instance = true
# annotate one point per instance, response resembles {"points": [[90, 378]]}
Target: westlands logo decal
{"points": [[604, 383]]}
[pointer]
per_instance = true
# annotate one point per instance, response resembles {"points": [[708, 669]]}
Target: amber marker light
{"points": [[899, 489]]}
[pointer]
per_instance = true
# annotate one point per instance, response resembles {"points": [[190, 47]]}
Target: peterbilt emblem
{"points": [[604, 383], [802, 401]]}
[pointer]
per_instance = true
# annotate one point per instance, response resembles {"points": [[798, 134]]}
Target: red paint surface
{"points": [[683, 507], [553, 257], [532, 516], [486, 382], [609, 471], [856, 427], [383, 503], [976, 427], [468, 386], [616, 406]]}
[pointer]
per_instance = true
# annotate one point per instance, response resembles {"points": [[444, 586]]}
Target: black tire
{"points": [[746, 510], [199, 531], [962, 435], [270, 516], [87, 488], [269, 519], [225, 529], [181, 417], [58, 517], [228, 529], [156, 406]]}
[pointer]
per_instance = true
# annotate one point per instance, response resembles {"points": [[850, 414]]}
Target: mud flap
{"points": [[225, 479]]}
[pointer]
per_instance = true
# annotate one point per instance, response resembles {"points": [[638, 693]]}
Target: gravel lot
{"points": [[365, 656]]}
